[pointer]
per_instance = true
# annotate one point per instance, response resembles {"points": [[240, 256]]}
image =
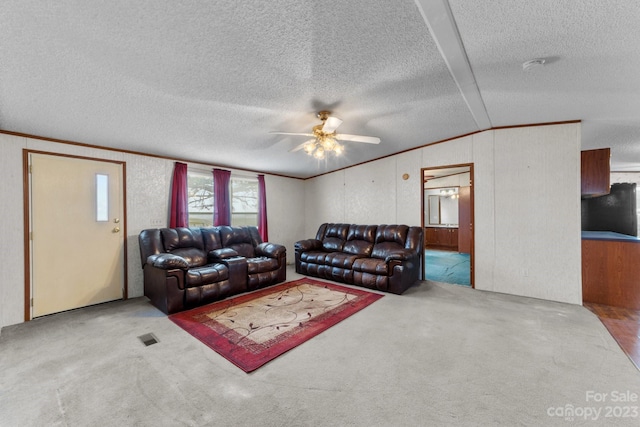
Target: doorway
{"points": [[447, 221], [76, 232]]}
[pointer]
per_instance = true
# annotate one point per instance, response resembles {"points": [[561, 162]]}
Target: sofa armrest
{"points": [[308, 245], [217, 255], [270, 250], [401, 255], [167, 261]]}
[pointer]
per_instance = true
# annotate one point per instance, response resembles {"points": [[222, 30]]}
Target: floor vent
{"points": [[148, 339]]}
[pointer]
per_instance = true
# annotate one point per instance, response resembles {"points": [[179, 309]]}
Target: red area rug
{"points": [[253, 329]]}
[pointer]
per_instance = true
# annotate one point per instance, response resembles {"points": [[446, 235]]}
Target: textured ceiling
{"points": [[209, 80]]}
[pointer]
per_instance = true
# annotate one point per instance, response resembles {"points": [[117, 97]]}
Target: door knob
{"points": [[116, 229]]}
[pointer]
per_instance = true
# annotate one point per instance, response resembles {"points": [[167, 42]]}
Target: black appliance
{"points": [[614, 212]]}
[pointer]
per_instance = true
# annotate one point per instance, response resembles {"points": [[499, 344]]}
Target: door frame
{"points": [[26, 197], [471, 214]]}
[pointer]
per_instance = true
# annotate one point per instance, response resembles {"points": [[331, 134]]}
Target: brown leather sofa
{"points": [[382, 257], [187, 267]]}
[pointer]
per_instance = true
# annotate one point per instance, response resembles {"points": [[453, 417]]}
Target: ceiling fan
{"points": [[325, 139]]}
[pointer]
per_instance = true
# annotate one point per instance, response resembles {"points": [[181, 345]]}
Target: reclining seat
{"points": [[324, 257], [177, 274], [396, 249], [266, 262]]}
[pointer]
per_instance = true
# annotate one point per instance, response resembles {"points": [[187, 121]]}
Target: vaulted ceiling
{"points": [[208, 80]]}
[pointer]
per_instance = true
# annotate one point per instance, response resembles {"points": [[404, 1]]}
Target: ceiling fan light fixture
{"points": [[534, 63], [325, 140], [309, 147], [328, 143]]}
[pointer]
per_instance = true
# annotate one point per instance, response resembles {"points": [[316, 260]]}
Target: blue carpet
{"points": [[447, 267]]}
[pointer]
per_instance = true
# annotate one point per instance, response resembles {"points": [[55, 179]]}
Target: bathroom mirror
{"points": [[443, 206]]}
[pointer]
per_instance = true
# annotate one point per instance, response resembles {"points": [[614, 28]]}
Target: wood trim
{"points": [[26, 222], [125, 234], [530, 125], [137, 153], [26, 240], [440, 177], [471, 214], [473, 226], [447, 140], [157, 156], [399, 152]]}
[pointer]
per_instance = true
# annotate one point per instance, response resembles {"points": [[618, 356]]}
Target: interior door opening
{"points": [[447, 221]]}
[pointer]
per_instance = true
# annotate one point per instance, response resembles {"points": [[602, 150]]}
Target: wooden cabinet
{"points": [[595, 172], [610, 272], [441, 237]]}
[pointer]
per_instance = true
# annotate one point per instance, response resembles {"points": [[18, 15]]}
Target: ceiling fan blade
{"points": [[331, 124], [301, 146], [290, 133], [358, 138]]}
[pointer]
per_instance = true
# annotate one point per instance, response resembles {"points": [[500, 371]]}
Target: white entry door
{"points": [[77, 244]]}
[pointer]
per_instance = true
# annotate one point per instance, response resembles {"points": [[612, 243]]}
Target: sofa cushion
{"points": [[331, 259], [358, 247], [176, 238], [372, 266], [337, 230], [211, 239], [390, 239], [331, 244], [362, 232], [261, 264], [194, 257], [314, 257], [207, 274], [239, 239], [334, 237], [340, 259], [385, 249], [392, 233]]}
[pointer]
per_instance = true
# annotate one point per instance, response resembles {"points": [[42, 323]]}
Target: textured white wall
{"points": [[148, 182], [148, 186], [527, 204], [408, 196], [12, 246], [324, 201], [526, 190], [537, 213], [372, 193], [285, 208]]}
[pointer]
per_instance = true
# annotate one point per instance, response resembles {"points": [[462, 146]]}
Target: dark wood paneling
{"points": [[441, 237], [464, 220], [595, 172], [611, 273]]}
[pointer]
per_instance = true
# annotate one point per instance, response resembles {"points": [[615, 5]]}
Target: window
{"points": [[244, 199], [200, 198]]}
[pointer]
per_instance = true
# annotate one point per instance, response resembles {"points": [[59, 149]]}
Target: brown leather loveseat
{"points": [[187, 267], [382, 257]]}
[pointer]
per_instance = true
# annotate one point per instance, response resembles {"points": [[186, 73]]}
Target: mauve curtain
{"points": [[179, 212], [221, 202], [262, 209]]}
